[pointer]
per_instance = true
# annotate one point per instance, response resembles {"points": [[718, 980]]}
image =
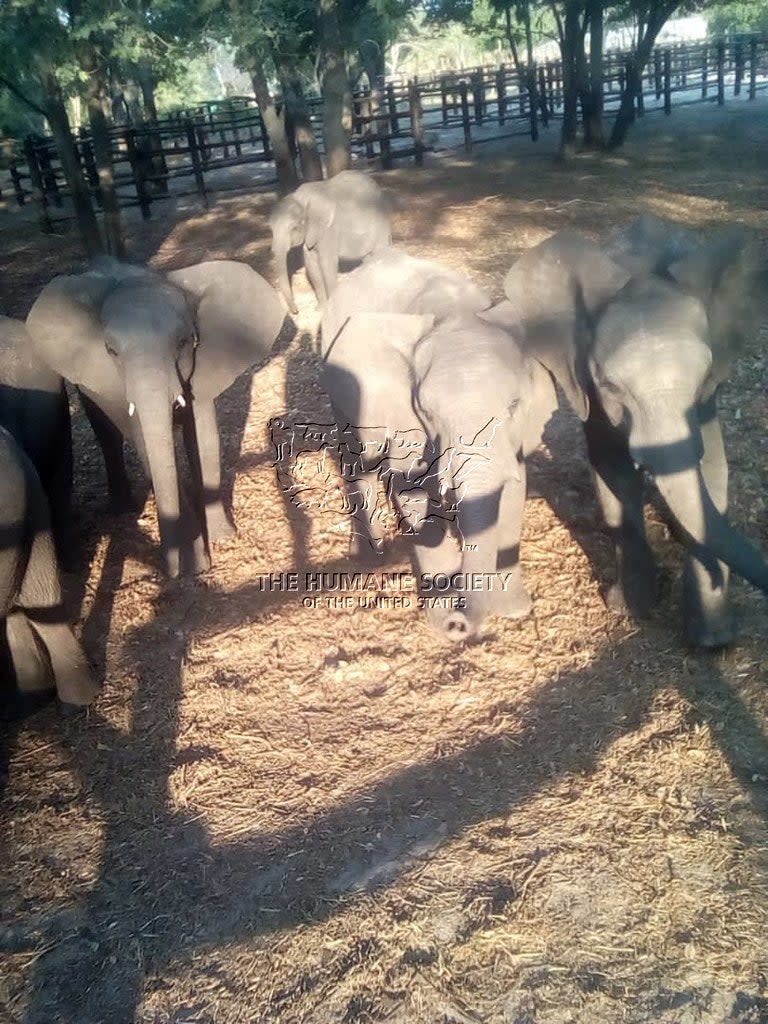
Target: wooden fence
{"points": [[193, 151]]}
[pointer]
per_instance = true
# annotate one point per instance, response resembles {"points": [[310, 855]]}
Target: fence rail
{"points": [[184, 153]]}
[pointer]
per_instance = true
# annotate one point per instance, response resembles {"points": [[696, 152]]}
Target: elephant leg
{"points": [[110, 441], [206, 437], [33, 673], [707, 615], [437, 560], [620, 491], [40, 599], [367, 541], [511, 599]]}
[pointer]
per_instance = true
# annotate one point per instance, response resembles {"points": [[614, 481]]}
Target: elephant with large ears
{"points": [[139, 345], [344, 218], [641, 358], [425, 362], [43, 650]]}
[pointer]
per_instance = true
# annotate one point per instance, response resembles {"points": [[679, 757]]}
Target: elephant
{"points": [[140, 345], [44, 652], [34, 408], [346, 217], [641, 358], [470, 406]]}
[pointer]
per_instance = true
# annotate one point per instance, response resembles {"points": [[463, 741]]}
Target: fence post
{"points": [[738, 56], [394, 124], [48, 173], [657, 79], [264, 137], [417, 122], [477, 96], [501, 94], [542, 96], [720, 73], [18, 188], [705, 72], [465, 117], [197, 164], [639, 98], [137, 166], [752, 66], [667, 82], [444, 98], [37, 184], [531, 85]]}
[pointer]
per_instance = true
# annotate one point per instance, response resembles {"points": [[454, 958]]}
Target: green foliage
{"points": [[738, 16]]}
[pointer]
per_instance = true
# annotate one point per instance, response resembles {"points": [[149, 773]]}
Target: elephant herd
{"points": [[638, 331]]}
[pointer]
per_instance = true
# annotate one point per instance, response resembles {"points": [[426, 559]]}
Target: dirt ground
{"points": [[280, 813]]}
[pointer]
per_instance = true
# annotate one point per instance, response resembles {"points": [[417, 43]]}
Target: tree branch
{"points": [[12, 88]]}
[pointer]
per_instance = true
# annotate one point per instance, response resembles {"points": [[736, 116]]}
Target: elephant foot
{"points": [[366, 552], [218, 525], [69, 710], [636, 599], [195, 559], [513, 603], [712, 631]]}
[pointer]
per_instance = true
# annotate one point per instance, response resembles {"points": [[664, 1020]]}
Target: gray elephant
{"points": [[642, 366], [139, 345], [44, 652], [34, 408], [426, 363], [344, 218]]}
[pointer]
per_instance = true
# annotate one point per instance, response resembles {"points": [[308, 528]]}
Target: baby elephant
{"points": [[343, 218], [43, 649]]}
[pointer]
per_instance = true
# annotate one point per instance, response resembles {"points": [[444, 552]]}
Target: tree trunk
{"points": [[570, 80], [96, 98], [82, 203], [275, 125], [511, 40], [146, 80], [309, 154], [594, 135], [626, 115], [337, 96]]}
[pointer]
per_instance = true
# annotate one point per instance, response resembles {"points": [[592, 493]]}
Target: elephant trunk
{"points": [[478, 516], [707, 531], [280, 253], [147, 390]]}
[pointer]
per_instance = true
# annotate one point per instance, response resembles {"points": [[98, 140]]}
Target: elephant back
{"points": [[391, 281]]}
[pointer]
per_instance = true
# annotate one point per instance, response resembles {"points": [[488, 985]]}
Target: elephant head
{"points": [[554, 294], [128, 338], [650, 244], [654, 373], [288, 223]]}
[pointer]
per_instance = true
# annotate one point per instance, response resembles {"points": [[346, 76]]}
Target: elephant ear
{"points": [[728, 276], [67, 333], [239, 316], [321, 212], [556, 292]]}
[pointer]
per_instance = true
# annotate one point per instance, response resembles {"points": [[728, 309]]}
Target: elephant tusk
{"points": [[180, 401], [131, 408]]}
